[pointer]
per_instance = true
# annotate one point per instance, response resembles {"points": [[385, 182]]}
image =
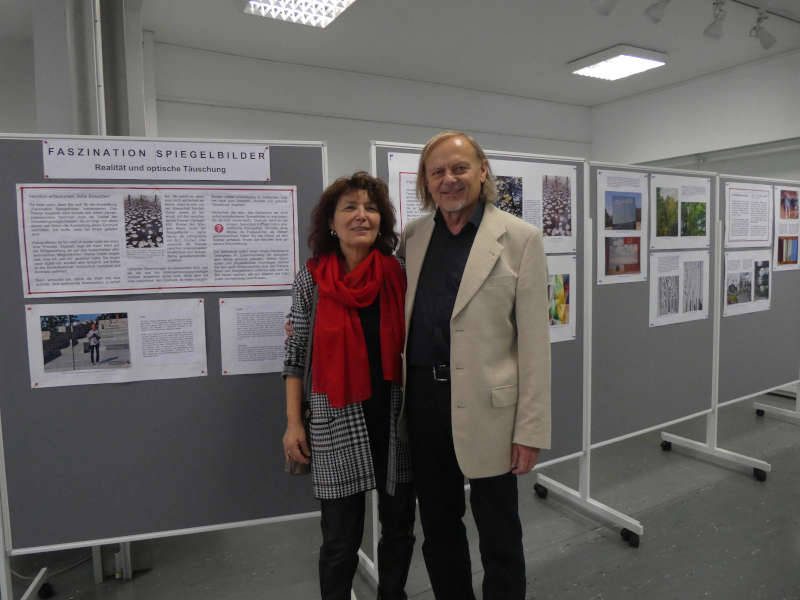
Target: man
{"points": [[477, 366]]}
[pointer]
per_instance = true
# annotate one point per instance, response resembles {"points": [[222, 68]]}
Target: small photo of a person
{"points": [[93, 337], [343, 374]]}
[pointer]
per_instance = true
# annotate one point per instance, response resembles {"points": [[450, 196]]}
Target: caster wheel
{"points": [[759, 474], [666, 446], [46, 591], [630, 537], [760, 412], [540, 490]]}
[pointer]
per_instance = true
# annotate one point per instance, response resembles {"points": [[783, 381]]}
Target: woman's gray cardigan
{"points": [[341, 460]]}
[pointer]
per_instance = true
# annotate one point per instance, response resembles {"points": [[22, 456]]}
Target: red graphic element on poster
{"points": [[623, 255], [218, 228]]}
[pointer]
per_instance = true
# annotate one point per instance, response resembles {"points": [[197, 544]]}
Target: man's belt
{"points": [[441, 373]]}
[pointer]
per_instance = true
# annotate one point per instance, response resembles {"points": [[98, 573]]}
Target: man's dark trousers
{"points": [[440, 490]]}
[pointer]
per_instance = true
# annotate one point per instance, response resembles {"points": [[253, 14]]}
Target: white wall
{"points": [[208, 94], [784, 164], [17, 96], [748, 104]]}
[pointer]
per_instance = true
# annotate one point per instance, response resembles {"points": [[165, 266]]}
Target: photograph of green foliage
{"points": [[666, 212]]}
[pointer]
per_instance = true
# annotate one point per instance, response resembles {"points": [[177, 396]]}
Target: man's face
{"points": [[454, 174]]}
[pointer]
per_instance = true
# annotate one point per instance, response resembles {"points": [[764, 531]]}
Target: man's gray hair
{"points": [[489, 187]]}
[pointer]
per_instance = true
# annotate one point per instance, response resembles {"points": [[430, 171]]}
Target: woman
{"points": [[344, 359]]}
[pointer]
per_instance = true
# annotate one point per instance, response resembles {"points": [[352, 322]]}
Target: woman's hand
{"points": [[295, 444]]}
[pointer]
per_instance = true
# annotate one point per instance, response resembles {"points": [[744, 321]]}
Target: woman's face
{"points": [[356, 220]]}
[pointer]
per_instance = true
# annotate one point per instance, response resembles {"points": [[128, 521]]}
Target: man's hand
{"points": [[523, 458]]}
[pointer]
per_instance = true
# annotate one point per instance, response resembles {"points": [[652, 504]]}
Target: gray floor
{"points": [[710, 532]]}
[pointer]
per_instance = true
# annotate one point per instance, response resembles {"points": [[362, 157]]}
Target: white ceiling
{"points": [[520, 49]]}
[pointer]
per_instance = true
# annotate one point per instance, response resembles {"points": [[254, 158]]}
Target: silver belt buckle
{"points": [[436, 374]]}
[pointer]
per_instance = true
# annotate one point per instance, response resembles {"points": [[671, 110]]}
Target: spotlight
{"points": [[655, 12], [714, 30], [758, 31], [604, 7]]}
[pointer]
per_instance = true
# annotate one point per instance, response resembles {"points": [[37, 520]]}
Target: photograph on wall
{"points": [[788, 202], [786, 250], [561, 296], [748, 282], [678, 287], [623, 211], [787, 228], [252, 335], [114, 342], [509, 194], [680, 216], [403, 186], [623, 256], [98, 240], [666, 212], [556, 206], [621, 237], [543, 194], [748, 215], [144, 223], [85, 342]]}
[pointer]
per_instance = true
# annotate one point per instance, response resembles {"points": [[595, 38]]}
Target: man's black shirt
{"points": [[437, 288]]}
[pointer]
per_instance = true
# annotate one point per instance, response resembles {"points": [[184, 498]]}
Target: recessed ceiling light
{"points": [[316, 13], [617, 62]]}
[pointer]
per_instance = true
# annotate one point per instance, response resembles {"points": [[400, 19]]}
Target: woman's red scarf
{"points": [[340, 362]]}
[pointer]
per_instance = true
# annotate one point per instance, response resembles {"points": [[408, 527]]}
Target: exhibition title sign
{"points": [[125, 159]]}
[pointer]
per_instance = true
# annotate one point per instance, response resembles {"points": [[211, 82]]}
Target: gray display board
{"points": [[760, 350], [107, 461], [567, 356], [643, 376]]}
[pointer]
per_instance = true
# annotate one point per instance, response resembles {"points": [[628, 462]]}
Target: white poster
{"points": [[678, 287], [252, 334], [679, 215], [747, 282], [787, 228], [78, 240], [112, 342], [748, 215], [544, 195], [402, 186], [113, 158], [562, 288], [621, 226]]}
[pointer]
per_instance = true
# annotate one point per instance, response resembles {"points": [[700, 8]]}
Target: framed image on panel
{"points": [[115, 341], [787, 228], [748, 282], [402, 186], [543, 194], [562, 291], [678, 287], [748, 215], [252, 335], [99, 240], [621, 226], [679, 212]]}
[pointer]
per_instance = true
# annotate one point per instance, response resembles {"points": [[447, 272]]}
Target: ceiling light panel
{"points": [[315, 13], [617, 63]]}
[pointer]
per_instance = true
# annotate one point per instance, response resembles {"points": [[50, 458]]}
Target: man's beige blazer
{"points": [[499, 340]]}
